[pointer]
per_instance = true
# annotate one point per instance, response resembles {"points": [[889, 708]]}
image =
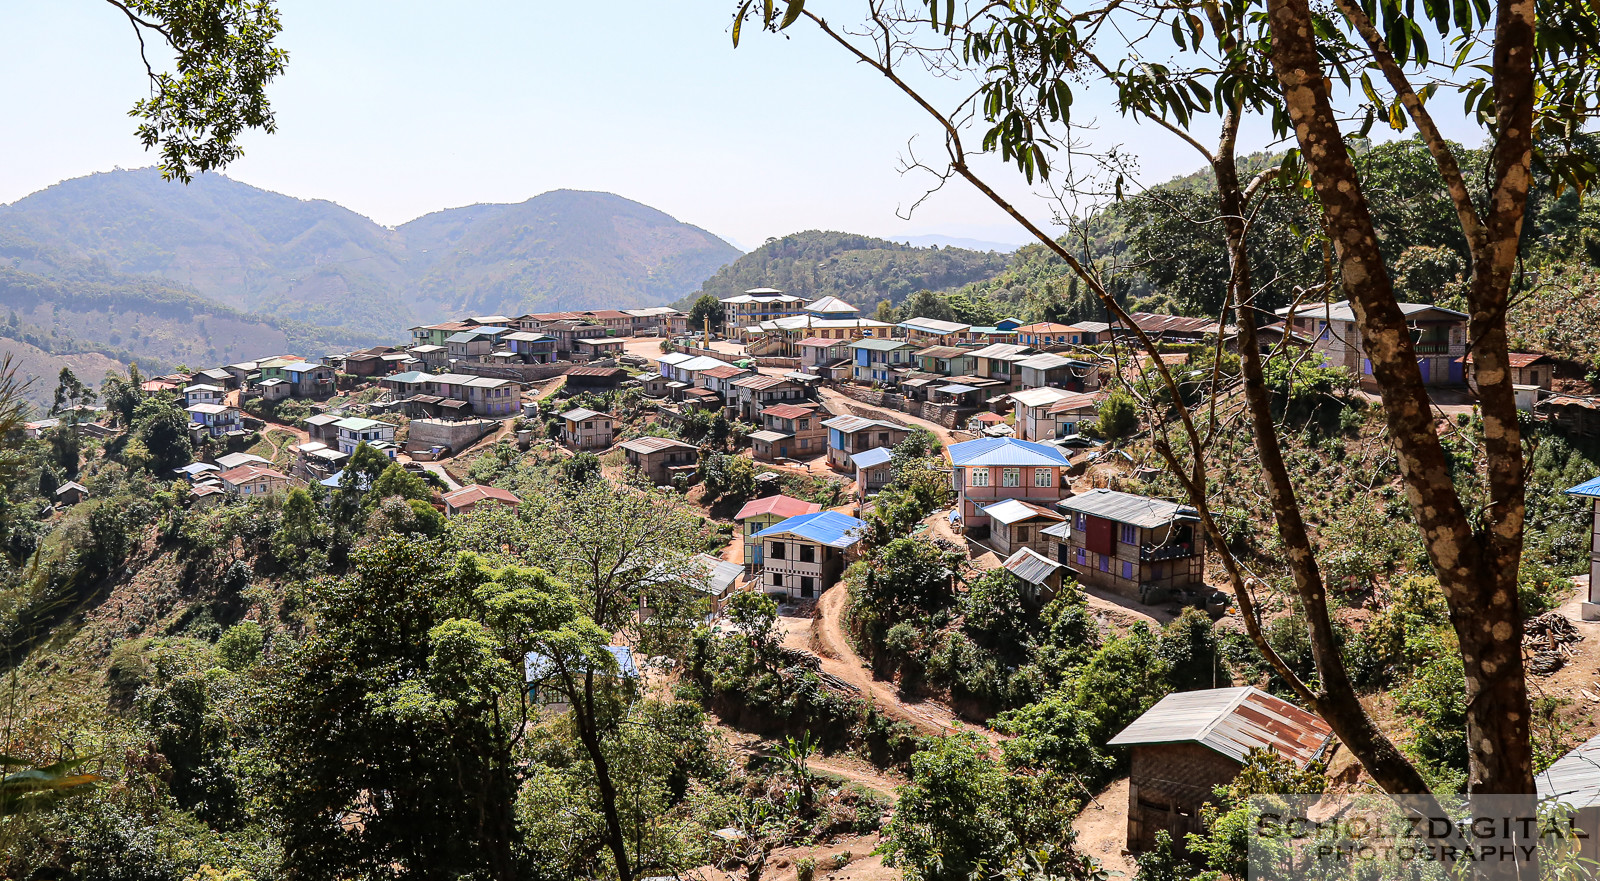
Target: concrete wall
{"points": [[425, 433]]}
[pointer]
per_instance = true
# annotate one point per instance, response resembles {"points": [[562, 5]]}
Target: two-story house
{"points": [[252, 481], [1050, 334], [309, 380], [659, 458], [1001, 361], [1075, 412], [214, 419], [494, 397], [354, 431], [817, 354], [848, 435], [436, 334], [532, 346], [1032, 408], [758, 514], [470, 345], [718, 378], [945, 360], [875, 361], [1438, 335], [749, 396], [203, 393], [803, 556], [1137, 546], [584, 429], [755, 306], [925, 332], [1040, 371], [789, 431], [992, 469]]}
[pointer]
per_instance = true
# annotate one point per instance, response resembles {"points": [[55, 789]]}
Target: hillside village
{"points": [[1010, 432]]}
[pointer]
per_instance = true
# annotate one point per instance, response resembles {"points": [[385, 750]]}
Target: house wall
{"points": [[824, 569], [1122, 571], [1007, 540], [597, 434], [972, 498], [1166, 787], [655, 465]]}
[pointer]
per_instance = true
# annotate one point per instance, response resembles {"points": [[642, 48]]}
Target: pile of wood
{"points": [[1547, 643]]}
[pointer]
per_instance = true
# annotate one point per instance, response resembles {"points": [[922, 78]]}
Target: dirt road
{"points": [[839, 659], [842, 404]]}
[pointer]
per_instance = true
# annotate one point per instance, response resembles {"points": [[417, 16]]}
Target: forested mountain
{"points": [[861, 270], [315, 262]]}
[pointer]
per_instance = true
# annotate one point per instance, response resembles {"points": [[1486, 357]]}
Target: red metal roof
{"points": [[1519, 360], [782, 506], [788, 411], [474, 493], [726, 372], [249, 472], [822, 341], [1231, 721]]}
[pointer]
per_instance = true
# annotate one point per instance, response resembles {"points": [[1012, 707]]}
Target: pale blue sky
{"points": [[395, 108]]}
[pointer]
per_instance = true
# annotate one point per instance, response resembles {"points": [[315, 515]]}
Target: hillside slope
{"points": [[861, 270]]}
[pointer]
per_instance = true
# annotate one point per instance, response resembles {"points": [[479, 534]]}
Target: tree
{"points": [[122, 396], [707, 308], [1119, 416], [70, 392], [1282, 61], [164, 432]]}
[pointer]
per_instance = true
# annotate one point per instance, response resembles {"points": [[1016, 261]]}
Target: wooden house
{"points": [[71, 493], [253, 481], [791, 431], [1191, 742], [584, 429], [848, 435], [874, 470], [660, 458], [1439, 338], [803, 556], [1037, 577], [1136, 546], [992, 469], [759, 514]]}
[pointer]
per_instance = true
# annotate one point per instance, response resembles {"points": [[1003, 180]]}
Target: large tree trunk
{"points": [[1477, 569], [1336, 698]]}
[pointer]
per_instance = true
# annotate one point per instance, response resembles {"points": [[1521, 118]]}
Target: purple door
{"points": [[1423, 365]]}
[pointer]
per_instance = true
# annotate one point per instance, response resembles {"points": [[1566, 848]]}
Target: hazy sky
{"points": [[395, 108]]}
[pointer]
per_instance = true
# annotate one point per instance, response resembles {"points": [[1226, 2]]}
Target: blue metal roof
{"points": [[1004, 451], [824, 527], [1589, 489], [869, 458]]}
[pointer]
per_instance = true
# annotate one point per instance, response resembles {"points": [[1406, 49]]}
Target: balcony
{"points": [[1432, 347], [1158, 553]]}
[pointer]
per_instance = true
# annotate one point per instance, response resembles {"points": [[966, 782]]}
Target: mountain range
{"points": [[131, 267]]}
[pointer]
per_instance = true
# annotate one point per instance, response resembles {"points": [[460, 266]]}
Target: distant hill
{"points": [[938, 241], [861, 270], [314, 262], [566, 249]]}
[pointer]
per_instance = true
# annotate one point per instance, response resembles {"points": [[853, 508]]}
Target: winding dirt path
{"points": [[839, 659]]}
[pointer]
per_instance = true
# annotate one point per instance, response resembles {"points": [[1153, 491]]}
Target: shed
{"points": [[1037, 577], [71, 493], [1193, 741], [660, 458], [874, 469]]}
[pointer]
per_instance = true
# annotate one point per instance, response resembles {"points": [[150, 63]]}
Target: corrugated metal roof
{"points": [[1012, 511], [473, 493], [759, 381], [822, 342], [1122, 507], [831, 305], [581, 413], [1589, 489], [934, 326], [1039, 397], [1004, 352], [876, 345], [788, 411], [673, 358], [853, 424], [655, 444], [1029, 566], [1078, 401], [1574, 779], [988, 451], [942, 352], [720, 574], [955, 388], [1341, 311], [1231, 721], [703, 362], [780, 505], [1062, 530], [824, 527], [1051, 361], [872, 458], [768, 437]]}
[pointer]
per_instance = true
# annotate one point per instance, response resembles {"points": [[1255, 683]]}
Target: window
{"points": [[805, 424], [980, 477], [1011, 477], [808, 586], [1022, 533], [588, 425], [808, 554], [777, 579], [778, 550], [1130, 535], [1127, 569], [1041, 477], [1082, 522], [1082, 556]]}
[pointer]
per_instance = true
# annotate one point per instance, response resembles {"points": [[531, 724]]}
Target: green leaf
{"points": [[792, 13], [738, 21]]}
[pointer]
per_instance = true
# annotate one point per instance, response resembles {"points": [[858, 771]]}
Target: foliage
{"points": [[1119, 415], [728, 476], [707, 308]]}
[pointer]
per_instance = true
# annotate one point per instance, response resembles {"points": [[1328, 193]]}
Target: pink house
{"points": [[992, 469]]}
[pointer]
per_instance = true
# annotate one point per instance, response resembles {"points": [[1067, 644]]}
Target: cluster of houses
{"points": [[541, 337]]}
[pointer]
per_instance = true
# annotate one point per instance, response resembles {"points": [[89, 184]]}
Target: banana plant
{"points": [[39, 787]]}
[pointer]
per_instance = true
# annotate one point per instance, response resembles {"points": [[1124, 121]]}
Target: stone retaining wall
{"points": [[425, 433]]}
